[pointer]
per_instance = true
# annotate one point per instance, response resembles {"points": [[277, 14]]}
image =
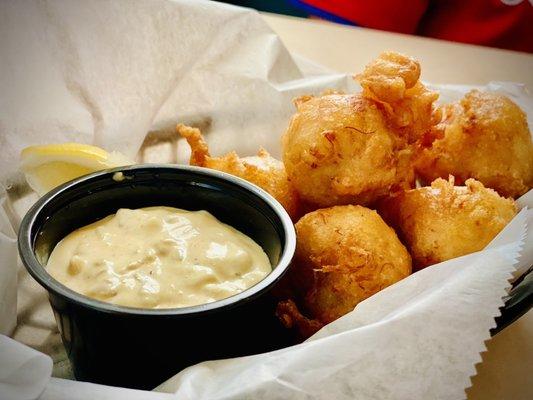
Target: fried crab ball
{"points": [[338, 149], [443, 221], [262, 170], [344, 254], [355, 148], [392, 80], [484, 136]]}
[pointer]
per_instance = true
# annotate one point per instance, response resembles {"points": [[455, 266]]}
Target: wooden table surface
{"points": [[348, 49], [505, 372]]}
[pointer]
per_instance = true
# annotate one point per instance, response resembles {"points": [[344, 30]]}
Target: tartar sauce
{"points": [[158, 257]]}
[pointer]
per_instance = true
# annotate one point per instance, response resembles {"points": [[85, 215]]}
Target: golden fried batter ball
{"points": [[393, 81], [262, 170], [355, 148], [484, 136], [443, 221], [344, 254], [338, 149]]}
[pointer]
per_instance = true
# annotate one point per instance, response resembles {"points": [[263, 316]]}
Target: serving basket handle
{"points": [[517, 302]]}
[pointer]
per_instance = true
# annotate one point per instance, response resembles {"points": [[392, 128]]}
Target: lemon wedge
{"points": [[48, 166]]}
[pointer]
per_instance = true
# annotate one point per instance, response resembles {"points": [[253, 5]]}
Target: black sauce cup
{"points": [[140, 348]]}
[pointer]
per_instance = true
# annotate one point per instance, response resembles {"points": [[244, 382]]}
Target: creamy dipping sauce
{"points": [[158, 257]]}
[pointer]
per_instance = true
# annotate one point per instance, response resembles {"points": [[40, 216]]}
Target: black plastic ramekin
{"points": [[140, 348]]}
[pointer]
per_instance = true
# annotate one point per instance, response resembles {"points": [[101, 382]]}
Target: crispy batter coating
{"points": [[338, 149], [393, 81], [355, 148], [484, 136], [344, 254], [291, 317], [262, 170], [443, 221]]}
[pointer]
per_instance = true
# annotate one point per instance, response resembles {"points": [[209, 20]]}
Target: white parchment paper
{"points": [[108, 73], [24, 373]]}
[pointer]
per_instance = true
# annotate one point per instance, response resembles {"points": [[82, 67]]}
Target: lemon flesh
{"points": [[49, 166]]}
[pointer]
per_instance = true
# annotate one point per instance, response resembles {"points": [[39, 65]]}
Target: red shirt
{"points": [[497, 23]]}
